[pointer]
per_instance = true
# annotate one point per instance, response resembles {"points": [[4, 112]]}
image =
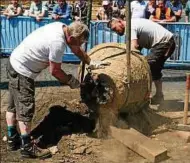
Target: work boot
{"points": [[31, 150], [13, 142], [157, 99]]}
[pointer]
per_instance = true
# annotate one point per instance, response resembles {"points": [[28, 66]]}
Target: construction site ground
{"points": [[64, 126]]}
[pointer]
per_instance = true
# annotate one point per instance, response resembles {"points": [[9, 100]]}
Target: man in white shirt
{"points": [[138, 8], [42, 48], [149, 35]]}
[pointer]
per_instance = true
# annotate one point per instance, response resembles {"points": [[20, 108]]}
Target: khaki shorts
{"points": [[21, 95]]}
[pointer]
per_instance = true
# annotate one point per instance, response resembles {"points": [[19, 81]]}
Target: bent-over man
{"points": [[42, 48], [149, 35]]}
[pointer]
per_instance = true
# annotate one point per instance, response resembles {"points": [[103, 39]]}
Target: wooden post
{"points": [[186, 102], [128, 39], [88, 19]]}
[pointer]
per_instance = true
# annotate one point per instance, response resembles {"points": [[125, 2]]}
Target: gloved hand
{"points": [[73, 82], [98, 64]]}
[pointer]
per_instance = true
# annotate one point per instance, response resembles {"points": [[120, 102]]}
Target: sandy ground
{"points": [[60, 120]]}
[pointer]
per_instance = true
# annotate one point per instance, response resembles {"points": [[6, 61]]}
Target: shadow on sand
{"points": [[60, 122], [172, 106]]}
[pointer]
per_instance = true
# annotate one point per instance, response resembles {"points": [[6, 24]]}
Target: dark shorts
{"points": [[157, 57], [21, 95]]}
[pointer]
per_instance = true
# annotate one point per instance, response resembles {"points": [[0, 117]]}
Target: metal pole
{"points": [[88, 19], [128, 39]]}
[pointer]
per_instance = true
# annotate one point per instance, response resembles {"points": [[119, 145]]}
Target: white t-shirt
{"points": [[37, 49], [138, 9], [148, 33]]}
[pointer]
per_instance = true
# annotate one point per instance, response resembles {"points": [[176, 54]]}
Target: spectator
{"points": [[38, 10], [80, 10], [119, 9], [116, 10], [150, 9], [138, 8], [187, 12], [163, 14], [62, 10], [106, 11], [14, 9], [176, 7]]}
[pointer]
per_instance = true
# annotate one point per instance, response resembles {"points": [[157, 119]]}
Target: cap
{"points": [[105, 2]]}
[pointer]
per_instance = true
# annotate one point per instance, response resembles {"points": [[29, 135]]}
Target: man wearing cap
{"points": [[105, 12], [42, 48], [152, 36]]}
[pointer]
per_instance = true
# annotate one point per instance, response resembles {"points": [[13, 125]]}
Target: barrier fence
{"points": [[13, 31]]}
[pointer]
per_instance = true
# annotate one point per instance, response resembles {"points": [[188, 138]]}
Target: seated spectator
{"points": [[13, 9], [105, 12], [176, 7], [38, 10], [187, 12], [116, 11], [150, 9], [163, 14], [138, 8], [80, 10], [62, 10]]}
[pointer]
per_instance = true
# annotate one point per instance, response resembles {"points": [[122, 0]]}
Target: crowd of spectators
{"points": [[156, 10], [39, 9]]}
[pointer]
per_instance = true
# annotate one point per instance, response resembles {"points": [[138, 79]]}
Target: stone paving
{"points": [[173, 83]]}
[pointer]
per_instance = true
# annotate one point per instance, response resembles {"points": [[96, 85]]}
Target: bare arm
{"points": [[154, 19], [42, 14], [32, 15], [19, 12], [135, 45], [6, 12], [79, 52], [172, 19], [186, 19], [178, 13], [58, 73]]}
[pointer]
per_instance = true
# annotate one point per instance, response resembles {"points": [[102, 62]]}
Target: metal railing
{"points": [[14, 30]]}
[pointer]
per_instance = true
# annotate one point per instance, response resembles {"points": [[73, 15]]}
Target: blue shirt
{"points": [[175, 6], [64, 11]]}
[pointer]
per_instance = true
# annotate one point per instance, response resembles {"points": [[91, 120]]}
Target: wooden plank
{"points": [[182, 127], [174, 115], [139, 143]]}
